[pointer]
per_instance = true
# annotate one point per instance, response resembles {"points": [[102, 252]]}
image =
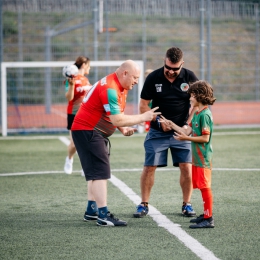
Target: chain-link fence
{"points": [[220, 40]]}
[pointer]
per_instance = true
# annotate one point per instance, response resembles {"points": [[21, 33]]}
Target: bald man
{"points": [[101, 112]]}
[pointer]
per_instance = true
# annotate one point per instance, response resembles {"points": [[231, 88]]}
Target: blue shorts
{"points": [[156, 145]]}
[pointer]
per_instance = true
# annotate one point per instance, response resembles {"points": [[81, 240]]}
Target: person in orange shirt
{"points": [[101, 112], [74, 94]]}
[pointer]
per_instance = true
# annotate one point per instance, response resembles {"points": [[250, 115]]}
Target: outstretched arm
{"points": [[196, 139], [187, 130], [120, 120]]}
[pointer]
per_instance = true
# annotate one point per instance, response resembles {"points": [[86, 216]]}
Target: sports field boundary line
{"points": [[124, 170], [3, 138]]}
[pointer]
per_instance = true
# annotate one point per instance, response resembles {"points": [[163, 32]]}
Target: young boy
{"points": [[200, 128]]}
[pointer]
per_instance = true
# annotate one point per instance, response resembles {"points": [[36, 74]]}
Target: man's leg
{"points": [[105, 218], [99, 191], [146, 183], [186, 186], [186, 181], [91, 212]]}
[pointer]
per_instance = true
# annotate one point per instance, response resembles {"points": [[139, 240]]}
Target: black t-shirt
{"points": [[171, 98]]}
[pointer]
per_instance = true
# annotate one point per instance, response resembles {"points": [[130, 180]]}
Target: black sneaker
{"points": [[90, 217], [198, 219], [187, 210], [141, 211], [110, 220], [206, 223]]}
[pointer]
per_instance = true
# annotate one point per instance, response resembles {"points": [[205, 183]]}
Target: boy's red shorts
{"points": [[201, 177]]}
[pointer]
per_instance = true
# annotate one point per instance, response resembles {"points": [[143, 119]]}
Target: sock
{"points": [[102, 212], [91, 207], [145, 204], [207, 198]]}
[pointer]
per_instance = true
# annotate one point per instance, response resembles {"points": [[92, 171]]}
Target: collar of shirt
{"points": [[205, 107]]}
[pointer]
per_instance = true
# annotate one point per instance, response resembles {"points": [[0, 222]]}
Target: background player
{"points": [[75, 93]]}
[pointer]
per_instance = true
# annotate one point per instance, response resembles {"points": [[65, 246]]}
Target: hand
{"points": [[180, 136], [165, 127], [71, 81], [149, 115], [127, 131], [165, 124]]}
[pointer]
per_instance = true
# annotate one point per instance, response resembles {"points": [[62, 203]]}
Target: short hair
{"points": [[80, 60], [174, 54], [203, 92]]}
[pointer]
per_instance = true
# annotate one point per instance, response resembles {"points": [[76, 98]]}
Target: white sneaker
{"points": [[82, 173], [68, 165]]}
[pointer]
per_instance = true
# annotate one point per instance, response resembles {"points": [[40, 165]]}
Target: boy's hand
{"points": [[165, 123], [180, 136]]}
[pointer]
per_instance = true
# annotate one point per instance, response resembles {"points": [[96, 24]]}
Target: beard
{"points": [[171, 75]]}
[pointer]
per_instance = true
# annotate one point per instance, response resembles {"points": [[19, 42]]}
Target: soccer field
{"points": [[41, 208]]}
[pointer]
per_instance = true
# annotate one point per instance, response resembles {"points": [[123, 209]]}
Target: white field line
{"points": [[29, 173], [126, 170], [64, 140], [116, 136]]}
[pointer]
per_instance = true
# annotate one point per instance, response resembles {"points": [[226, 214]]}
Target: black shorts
{"points": [[93, 150], [70, 119]]}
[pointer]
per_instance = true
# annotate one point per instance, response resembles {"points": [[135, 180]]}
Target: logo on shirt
{"points": [[106, 107], [158, 87], [184, 87], [104, 81]]}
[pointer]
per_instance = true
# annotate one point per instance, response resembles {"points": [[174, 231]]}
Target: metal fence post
{"points": [[257, 83], [202, 43], [209, 41]]}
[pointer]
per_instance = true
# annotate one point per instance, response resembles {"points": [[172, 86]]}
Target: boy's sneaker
{"points": [[110, 220], [187, 210], [205, 223], [197, 220], [90, 217], [68, 165], [141, 211]]}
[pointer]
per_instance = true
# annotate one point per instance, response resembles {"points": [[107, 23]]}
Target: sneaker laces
{"points": [[140, 207], [112, 216], [188, 207]]}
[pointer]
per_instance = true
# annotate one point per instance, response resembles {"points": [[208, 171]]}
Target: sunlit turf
{"points": [[41, 215]]}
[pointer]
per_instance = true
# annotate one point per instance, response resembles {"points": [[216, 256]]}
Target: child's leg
{"points": [[207, 198]]}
